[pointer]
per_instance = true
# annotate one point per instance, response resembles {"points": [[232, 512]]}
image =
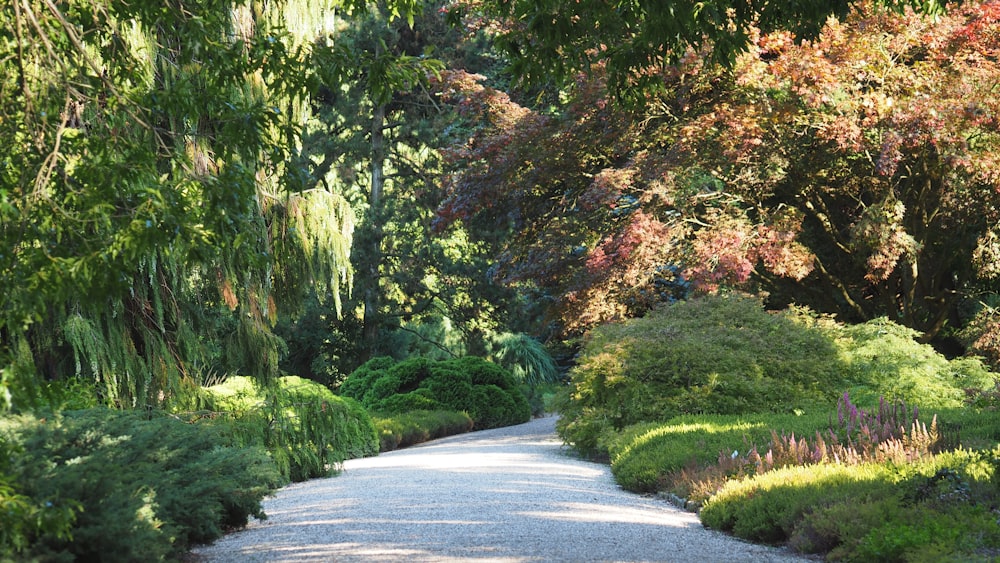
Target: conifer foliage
{"points": [[144, 191]]}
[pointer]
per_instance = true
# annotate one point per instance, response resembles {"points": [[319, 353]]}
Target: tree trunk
{"points": [[373, 250]]}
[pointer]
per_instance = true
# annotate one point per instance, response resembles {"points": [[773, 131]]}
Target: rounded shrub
{"points": [[718, 354], [452, 388], [728, 355], [935, 509], [884, 359], [484, 390], [417, 400]]}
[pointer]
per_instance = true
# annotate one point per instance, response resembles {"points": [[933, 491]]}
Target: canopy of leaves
{"points": [[855, 173], [555, 39], [144, 186]]}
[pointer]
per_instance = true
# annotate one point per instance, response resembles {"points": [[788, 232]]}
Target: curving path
{"points": [[510, 494]]}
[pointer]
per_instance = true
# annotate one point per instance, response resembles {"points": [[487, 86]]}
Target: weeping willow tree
{"points": [[147, 210]]}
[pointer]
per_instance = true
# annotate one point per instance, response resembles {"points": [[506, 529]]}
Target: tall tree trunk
{"points": [[373, 252]]}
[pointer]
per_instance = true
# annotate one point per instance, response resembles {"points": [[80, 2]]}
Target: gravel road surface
{"points": [[510, 494]]}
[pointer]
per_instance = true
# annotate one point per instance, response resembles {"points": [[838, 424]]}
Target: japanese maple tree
{"points": [[856, 173]]}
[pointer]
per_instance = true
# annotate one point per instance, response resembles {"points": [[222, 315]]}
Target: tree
{"points": [[143, 189], [552, 40], [415, 292], [855, 174]]}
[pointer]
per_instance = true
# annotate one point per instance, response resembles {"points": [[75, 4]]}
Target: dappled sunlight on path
{"points": [[511, 494]]}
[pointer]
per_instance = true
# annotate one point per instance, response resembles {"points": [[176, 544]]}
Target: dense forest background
{"points": [[243, 241], [191, 191]]}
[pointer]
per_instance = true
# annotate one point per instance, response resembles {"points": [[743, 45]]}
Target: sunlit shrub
{"points": [[941, 507], [142, 486], [305, 427], [723, 355], [884, 359], [727, 355], [654, 456]]}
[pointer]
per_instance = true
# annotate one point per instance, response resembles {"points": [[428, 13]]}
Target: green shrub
{"points": [[484, 390], [420, 399], [361, 379], [148, 485], [727, 355], [884, 359], [721, 355], [305, 427], [649, 457], [940, 508], [766, 508], [413, 427], [24, 519]]}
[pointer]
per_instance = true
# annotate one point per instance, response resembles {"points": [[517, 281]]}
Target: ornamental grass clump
{"points": [[940, 508], [892, 433]]}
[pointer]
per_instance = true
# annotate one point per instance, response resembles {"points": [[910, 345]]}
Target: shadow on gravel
{"points": [[501, 495]]}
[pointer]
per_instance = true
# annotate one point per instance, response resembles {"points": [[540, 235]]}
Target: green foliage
{"points": [[649, 457], [936, 509], [552, 41], [525, 357], [721, 355], [306, 429], [727, 355], [141, 486], [143, 198], [22, 518], [415, 426], [473, 385], [884, 359], [692, 456], [766, 508]]}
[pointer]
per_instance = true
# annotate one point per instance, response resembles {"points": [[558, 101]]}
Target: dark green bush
{"points": [[361, 379], [24, 519], [305, 428], [484, 390], [420, 399], [148, 484], [416, 426]]}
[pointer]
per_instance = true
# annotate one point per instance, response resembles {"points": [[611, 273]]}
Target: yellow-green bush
{"points": [[940, 508], [645, 457], [306, 428], [727, 355]]}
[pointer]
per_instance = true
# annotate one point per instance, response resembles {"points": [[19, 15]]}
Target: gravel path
{"points": [[510, 494]]}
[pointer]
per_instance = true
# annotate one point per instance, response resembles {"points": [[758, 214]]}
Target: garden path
{"points": [[513, 494]]}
